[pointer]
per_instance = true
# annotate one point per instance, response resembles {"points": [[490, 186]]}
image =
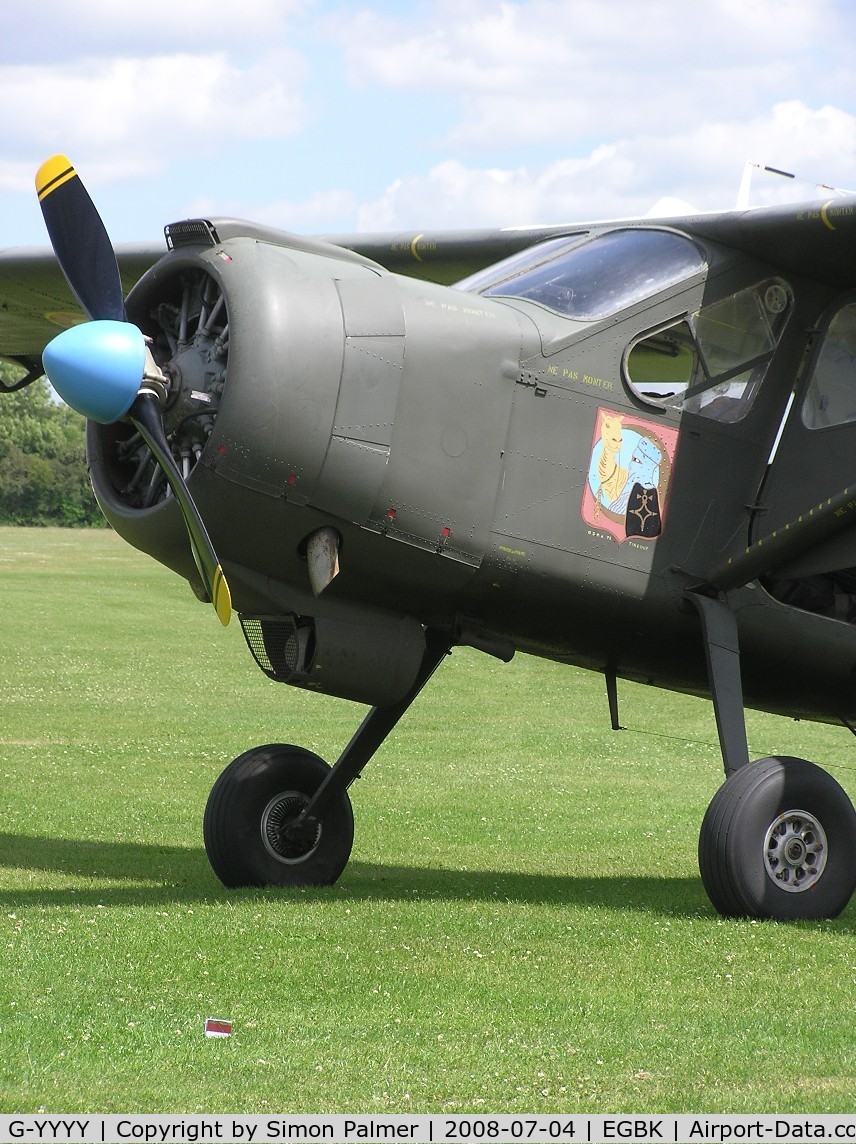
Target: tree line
{"points": [[43, 478]]}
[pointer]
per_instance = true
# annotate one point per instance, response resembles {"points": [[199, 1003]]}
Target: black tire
{"points": [[779, 841], [256, 793]]}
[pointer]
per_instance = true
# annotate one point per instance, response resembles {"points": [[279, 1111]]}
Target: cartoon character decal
{"points": [[628, 476]]}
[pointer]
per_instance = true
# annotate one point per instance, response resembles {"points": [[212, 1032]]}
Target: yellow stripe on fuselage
{"points": [[52, 174]]}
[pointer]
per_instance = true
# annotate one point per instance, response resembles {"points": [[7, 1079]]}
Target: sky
{"points": [[326, 117]]}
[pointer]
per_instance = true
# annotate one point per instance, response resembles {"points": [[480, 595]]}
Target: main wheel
{"points": [[248, 834], [779, 841]]}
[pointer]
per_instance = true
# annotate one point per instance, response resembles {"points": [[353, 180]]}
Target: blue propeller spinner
{"points": [[97, 368]]}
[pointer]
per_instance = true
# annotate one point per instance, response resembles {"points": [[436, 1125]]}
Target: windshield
{"points": [[592, 280]]}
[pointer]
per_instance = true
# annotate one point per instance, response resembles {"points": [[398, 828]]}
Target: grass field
{"points": [[521, 927]]}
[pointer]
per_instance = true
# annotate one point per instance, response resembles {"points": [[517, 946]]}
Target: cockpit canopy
{"points": [[710, 360], [589, 279]]}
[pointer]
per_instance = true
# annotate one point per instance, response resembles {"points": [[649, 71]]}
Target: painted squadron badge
{"points": [[627, 487]]}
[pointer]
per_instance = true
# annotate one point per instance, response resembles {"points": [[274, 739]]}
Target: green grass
{"points": [[521, 926]]}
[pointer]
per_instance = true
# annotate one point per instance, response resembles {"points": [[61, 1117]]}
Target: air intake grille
{"points": [[192, 232], [279, 646]]}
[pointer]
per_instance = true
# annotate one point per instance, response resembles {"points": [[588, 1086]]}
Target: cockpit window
{"points": [[519, 263], [831, 397], [590, 280], [713, 361]]}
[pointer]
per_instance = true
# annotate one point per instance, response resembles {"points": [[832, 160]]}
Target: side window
{"points": [[713, 361], [664, 364], [831, 396]]}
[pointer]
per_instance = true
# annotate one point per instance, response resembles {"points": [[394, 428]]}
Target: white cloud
{"points": [[443, 113], [454, 195], [817, 144], [702, 166], [59, 29], [126, 115], [820, 144], [469, 52], [549, 72], [16, 175], [324, 211]]}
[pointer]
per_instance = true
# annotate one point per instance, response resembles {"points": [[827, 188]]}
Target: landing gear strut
{"points": [[280, 816], [779, 837]]}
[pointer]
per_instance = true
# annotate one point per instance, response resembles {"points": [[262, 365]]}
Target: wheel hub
{"points": [[795, 851], [286, 839]]}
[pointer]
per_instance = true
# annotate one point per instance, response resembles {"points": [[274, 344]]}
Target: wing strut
{"points": [[723, 669]]}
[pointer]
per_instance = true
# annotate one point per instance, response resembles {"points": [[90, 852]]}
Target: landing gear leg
{"points": [[723, 670], [373, 730], [779, 837], [280, 816]]}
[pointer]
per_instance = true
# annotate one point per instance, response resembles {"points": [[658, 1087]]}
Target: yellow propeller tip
{"points": [[222, 597], [52, 174]]}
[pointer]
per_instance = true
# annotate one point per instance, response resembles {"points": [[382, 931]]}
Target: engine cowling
{"points": [[308, 387]]}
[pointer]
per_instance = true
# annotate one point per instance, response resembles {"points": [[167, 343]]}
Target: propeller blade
{"points": [[80, 240], [104, 368], [146, 416]]}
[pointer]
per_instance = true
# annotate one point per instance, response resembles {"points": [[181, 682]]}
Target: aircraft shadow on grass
{"points": [[160, 874]]}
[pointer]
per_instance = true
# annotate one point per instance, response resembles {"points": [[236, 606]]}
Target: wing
{"points": [[447, 256], [36, 303], [812, 239]]}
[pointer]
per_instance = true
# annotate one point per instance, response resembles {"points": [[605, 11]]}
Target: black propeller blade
{"points": [[104, 368], [80, 240], [146, 416]]}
